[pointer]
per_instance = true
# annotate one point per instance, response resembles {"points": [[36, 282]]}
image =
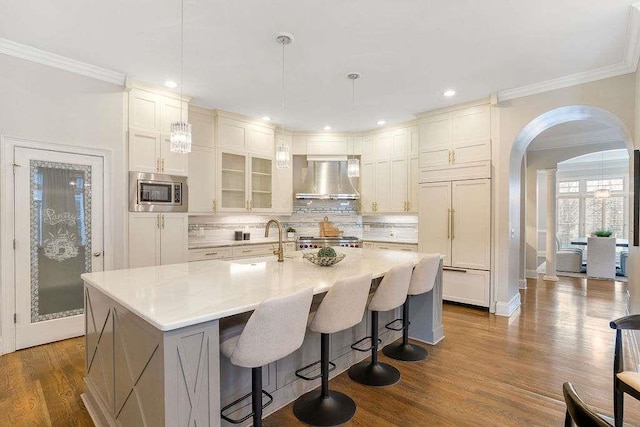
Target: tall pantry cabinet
{"points": [[155, 239], [455, 199]]}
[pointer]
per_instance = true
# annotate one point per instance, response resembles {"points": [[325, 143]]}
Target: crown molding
{"points": [[131, 83], [629, 64], [451, 108], [28, 53]]}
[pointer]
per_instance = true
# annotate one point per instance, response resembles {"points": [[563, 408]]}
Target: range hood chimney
{"points": [[327, 179]]}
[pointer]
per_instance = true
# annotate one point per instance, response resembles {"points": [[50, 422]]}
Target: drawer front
{"points": [[209, 253], [396, 247], [466, 286], [253, 250]]}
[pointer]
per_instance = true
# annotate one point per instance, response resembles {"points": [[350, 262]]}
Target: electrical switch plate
{"points": [[513, 233]]}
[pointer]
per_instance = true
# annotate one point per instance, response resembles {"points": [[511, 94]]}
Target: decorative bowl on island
{"points": [[323, 261]]}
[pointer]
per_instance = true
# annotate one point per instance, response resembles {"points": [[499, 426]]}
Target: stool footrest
{"points": [[394, 328], [354, 346], [235, 402], [332, 366]]}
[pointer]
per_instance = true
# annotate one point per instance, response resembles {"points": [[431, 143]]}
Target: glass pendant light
{"points": [[180, 130], [353, 164], [283, 157], [601, 193]]}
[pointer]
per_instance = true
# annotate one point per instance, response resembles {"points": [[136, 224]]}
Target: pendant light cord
{"points": [[181, 53], [282, 118]]}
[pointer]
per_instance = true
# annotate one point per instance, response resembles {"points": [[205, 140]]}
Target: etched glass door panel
{"points": [[56, 242]]}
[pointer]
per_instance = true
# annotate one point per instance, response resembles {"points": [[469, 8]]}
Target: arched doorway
{"points": [[533, 129]]}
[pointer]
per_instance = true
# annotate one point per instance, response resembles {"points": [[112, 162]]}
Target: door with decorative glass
{"points": [[59, 236]]}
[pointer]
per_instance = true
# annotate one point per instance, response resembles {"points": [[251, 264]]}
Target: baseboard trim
{"points": [[531, 274], [550, 278], [507, 309], [523, 283]]}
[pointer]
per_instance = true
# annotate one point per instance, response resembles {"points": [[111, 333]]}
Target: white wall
{"points": [[46, 104], [615, 95]]}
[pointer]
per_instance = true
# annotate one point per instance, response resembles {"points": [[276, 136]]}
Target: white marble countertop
{"points": [[195, 244], [174, 296]]}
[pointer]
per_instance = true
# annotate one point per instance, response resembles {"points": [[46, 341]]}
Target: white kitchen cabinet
{"points": [[404, 247], [250, 251], [386, 171], [206, 254], [150, 152], [455, 221], [456, 137], [150, 118], [245, 182], [466, 286], [368, 245], [157, 239], [202, 163], [235, 134]]}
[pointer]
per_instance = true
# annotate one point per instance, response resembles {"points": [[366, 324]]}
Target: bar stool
{"points": [[391, 293], [342, 308], [275, 329], [422, 281]]}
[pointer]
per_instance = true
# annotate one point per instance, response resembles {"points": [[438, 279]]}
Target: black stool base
{"points": [[405, 352], [376, 374], [313, 409]]}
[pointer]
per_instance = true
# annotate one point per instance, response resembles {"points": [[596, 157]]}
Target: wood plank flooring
{"points": [[488, 371]]}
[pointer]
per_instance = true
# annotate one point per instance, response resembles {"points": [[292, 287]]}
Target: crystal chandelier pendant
{"points": [[282, 156], [353, 168], [180, 137], [601, 193]]}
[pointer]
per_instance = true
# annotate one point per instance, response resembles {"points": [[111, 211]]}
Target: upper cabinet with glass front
{"points": [[151, 112], [245, 169]]}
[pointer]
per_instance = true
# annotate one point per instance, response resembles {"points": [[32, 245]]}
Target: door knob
{"points": [[97, 254]]}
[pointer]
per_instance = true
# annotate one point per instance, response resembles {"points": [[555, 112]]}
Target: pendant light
{"points": [[180, 130], [353, 164], [601, 193], [283, 156]]}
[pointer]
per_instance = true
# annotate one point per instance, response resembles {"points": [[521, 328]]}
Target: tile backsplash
{"points": [[305, 219]]}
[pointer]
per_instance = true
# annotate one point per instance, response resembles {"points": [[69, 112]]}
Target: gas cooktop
{"points": [[310, 242]]}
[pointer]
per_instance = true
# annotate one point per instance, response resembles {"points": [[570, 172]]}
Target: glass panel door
{"points": [[261, 181], [58, 220]]}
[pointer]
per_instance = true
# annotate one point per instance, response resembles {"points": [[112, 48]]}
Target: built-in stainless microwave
{"points": [[154, 192]]}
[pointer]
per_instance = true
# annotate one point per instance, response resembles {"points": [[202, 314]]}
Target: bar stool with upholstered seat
{"points": [[342, 308], [422, 281], [390, 294], [275, 329]]}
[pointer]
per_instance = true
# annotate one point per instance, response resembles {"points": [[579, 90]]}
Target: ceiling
{"points": [[407, 51], [582, 132]]}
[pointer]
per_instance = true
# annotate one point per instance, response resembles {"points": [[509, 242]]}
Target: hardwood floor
{"points": [[488, 370]]}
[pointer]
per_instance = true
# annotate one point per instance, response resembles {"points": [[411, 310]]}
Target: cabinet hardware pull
{"points": [[448, 224], [449, 160], [158, 165], [212, 253], [247, 204], [453, 224], [453, 152], [458, 270], [162, 165], [213, 205], [158, 221], [163, 222], [247, 251], [250, 205]]}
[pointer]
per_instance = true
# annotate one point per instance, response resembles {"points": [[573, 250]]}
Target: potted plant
{"points": [[603, 233], [291, 233]]}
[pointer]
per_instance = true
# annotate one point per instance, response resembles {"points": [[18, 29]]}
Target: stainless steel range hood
{"points": [[327, 179]]}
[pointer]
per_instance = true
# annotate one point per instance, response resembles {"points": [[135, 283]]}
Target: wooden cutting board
{"points": [[327, 229]]}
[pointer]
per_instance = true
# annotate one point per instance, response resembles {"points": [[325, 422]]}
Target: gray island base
{"points": [[153, 334]]}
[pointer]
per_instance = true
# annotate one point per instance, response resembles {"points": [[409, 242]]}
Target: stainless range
{"points": [[307, 242]]}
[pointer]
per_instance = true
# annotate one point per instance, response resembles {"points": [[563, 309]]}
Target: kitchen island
{"points": [[152, 334]]}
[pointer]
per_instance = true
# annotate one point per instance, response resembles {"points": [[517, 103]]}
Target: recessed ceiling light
{"points": [[449, 93], [170, 84], [382, 122], [266, 118], [327, 127]]}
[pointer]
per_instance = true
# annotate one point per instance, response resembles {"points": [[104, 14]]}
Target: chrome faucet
{"points": [[279, 251]]}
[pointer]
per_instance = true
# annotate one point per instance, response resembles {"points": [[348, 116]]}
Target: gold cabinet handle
{"points": [[211, 253], [162, 222], [247, 204], [448, 223], [408, 205], [158, 165], [453, 224], [158, 221], [250, 205], [162, 165], [453, 156], [213, 205], [449, 160]]}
